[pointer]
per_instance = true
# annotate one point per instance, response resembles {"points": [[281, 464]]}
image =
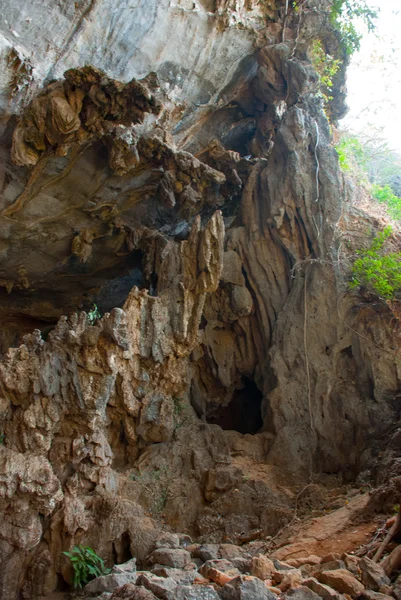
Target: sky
{"points": [[374, 79]]}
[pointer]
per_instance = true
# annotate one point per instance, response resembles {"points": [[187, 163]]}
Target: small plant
{"points": [[378, 270], [87, 565], [2, 438], [94, 315]]}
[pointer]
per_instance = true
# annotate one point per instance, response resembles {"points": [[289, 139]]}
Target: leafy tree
{"points": [[344, 16]]}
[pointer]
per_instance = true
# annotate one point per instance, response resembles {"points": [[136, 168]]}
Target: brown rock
{"points": [[262, 567], [373, 575], [307, 560], [324, 591], [342, 581], [171, 557]]}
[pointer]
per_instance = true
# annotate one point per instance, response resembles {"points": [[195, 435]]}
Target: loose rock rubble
{"points": [[198, 572]]}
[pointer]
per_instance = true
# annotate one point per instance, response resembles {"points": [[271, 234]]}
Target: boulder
{"points": [[159, 586], [246, 588], [301, 593], [324, 591], [222, 565], [108, 583], [194, 592], [132, 592], [262, 567], [373, 575], [342, 581], [171, 557], [307, 560]]}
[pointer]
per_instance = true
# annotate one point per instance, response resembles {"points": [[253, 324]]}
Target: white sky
{"points": [[374, 79]]}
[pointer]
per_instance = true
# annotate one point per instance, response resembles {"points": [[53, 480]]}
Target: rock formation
{"points": [[171, 163]]}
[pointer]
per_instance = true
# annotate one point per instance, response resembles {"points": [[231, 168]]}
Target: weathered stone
{"points": [[194, 592], [246, 588], [342, 581], [108, 583], [159, 586], [301, 593], [307, 560], [324, 591], [221, 565], [373, 575], [171, 557], [262, 567], [132, 592]]}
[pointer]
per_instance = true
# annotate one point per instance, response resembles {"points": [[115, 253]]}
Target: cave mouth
{"points": [[244, 411]]}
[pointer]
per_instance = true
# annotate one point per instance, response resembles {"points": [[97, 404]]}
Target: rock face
{"points": [[186, 183]]}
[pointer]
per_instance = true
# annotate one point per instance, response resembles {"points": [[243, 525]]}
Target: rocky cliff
{"points": [[171, 162]]}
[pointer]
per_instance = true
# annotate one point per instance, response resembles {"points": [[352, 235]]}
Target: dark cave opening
{"points": [[243, 413]]}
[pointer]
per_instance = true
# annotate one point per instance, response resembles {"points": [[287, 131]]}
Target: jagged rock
{"points": [[171, 557], [246, 588], [342, 581], [130, 591], [160, 586], [262, 567], [373, 576], [371, 595], [220, 565], [168, 540], [108, 583], [301, 593], [194, 592], [324, 591], [307, 560]]}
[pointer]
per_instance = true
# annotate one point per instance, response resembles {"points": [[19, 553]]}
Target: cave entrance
{"points": [[243, 413]]}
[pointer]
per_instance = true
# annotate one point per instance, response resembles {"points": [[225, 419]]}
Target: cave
{"points": [[244, 411]]}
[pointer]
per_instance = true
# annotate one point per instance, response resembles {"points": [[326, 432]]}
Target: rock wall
{"points": [[199, 204]]}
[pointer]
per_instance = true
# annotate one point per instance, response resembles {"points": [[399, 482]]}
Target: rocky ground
{"points": [[332, 557]]}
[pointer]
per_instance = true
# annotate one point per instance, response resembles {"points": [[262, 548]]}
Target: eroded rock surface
{"points": [[186, 183]]}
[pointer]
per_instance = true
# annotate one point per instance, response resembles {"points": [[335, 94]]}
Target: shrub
{"points": [[326, 67], [87, 565], [385, 194], [379, 271]]}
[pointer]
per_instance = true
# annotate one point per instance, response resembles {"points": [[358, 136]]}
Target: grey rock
{"points": [[108, 583], [159, 586], [371, 595], [324, 591], [208, 552], [373, 575], [171, 557], [301, 593], [194, 592], [168, 540], [181, 577], [249, 588]]}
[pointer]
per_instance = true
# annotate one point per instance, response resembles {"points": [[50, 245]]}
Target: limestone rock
{"points": [[342, 581], [373, 575]]}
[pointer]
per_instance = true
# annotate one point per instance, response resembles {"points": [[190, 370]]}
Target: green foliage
{"points": [[326, 67], [94, 315], [351, 154], [371, 162], [87, 565], [345, 15], [385, 194], [379, 271], [2, 438]]}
